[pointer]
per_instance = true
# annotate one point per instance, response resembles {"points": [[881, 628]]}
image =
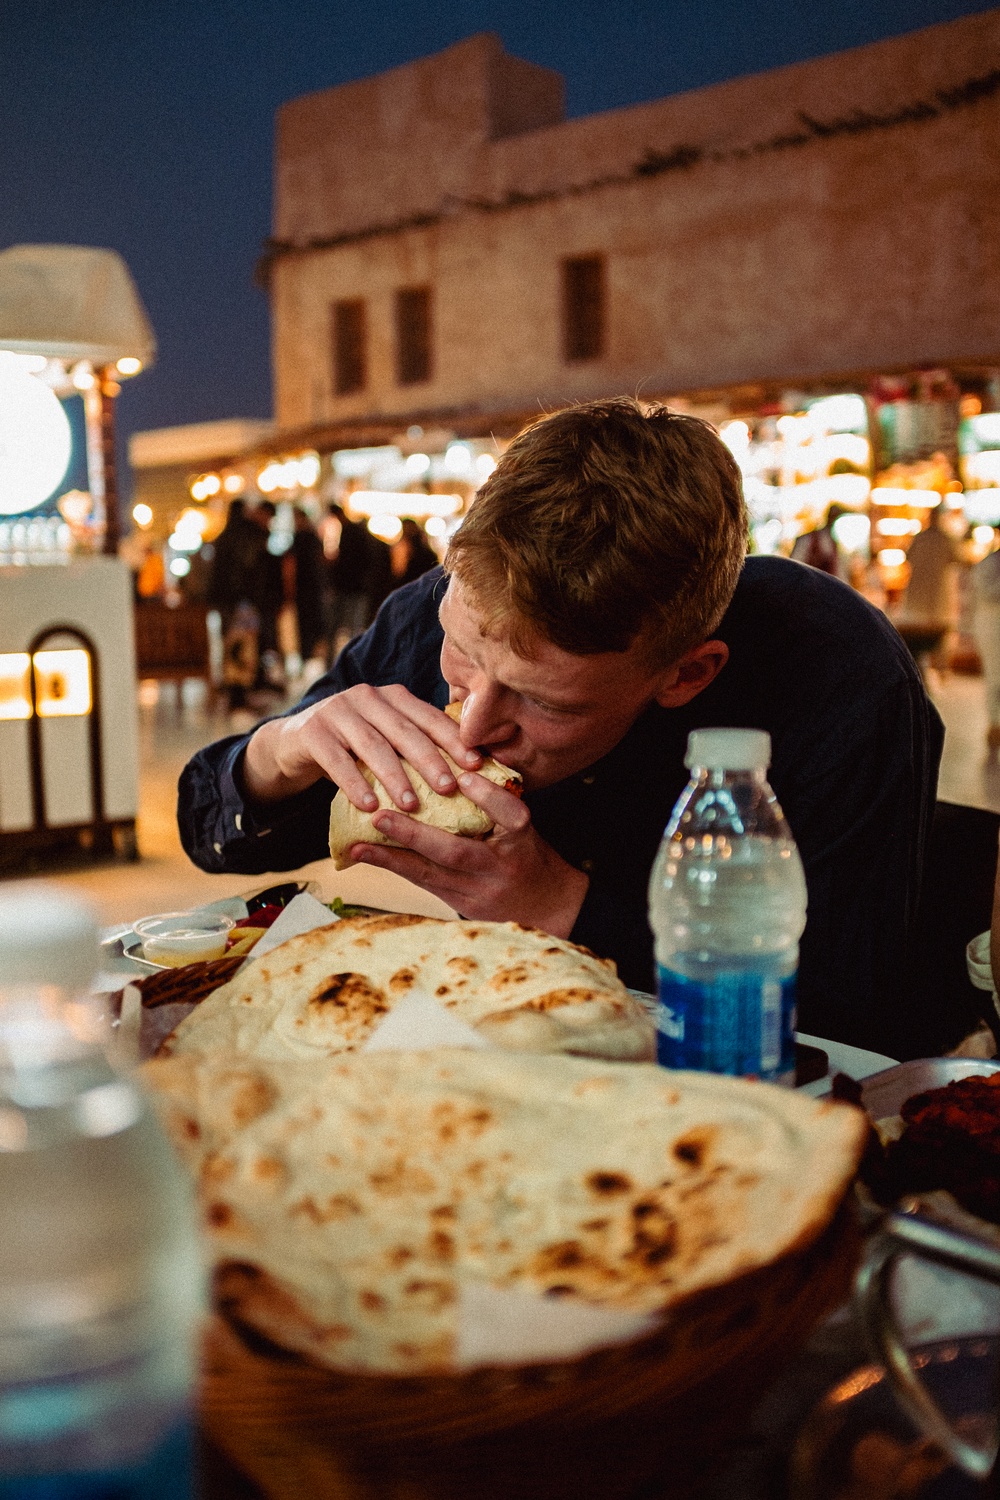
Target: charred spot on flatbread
{"points": [[654, 1235], [400, 1178], [568, 1265], [337, 1207], [269, 1170], [608, 1184], [463, 964], [353, 993], [453, 1120], [513, 974], [572, 995], [242, 1096], [393, 921], [692, 1149]]}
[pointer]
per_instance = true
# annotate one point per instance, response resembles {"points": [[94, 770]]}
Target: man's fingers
{"points": [[446, 850], [412, 867], [503, 808], [377, 727], [437, 725], [384, 726]]}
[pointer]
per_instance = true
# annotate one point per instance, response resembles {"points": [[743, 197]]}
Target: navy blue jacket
{"points": [[855, 751]]}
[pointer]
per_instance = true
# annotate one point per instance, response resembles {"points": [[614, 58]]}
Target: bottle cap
{"points": [[729, 749], [46, 937]]}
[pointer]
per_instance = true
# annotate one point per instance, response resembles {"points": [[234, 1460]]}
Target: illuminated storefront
{"points": [[71, 327]]}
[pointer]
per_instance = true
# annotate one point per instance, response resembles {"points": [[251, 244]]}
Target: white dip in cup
{"points": [[183, 937]]}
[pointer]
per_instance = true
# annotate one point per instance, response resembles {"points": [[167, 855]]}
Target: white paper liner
{"points": [[497, 1326], [302, 914], [419, 1022]]}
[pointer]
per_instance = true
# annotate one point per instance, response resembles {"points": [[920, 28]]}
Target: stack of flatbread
{"points": [[327, 991], [356, 1203]]}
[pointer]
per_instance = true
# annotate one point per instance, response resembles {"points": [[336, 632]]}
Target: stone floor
{"points": [[172, 728]]}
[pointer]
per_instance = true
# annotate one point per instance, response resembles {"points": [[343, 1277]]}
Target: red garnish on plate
{"points": [[262, 918]]}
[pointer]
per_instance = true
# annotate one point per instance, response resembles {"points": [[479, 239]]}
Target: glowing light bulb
{"points": [[389, 528], [35, 439]]}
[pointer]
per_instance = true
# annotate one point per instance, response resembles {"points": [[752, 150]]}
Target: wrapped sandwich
{"points": [[453, 814]]}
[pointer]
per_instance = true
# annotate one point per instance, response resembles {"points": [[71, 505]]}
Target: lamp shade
{"points": [[72, 302]]}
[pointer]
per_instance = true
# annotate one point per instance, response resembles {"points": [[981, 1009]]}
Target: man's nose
{"points": [[485, 720]]}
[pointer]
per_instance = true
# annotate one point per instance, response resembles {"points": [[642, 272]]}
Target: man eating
{"points": [[595, 606]]}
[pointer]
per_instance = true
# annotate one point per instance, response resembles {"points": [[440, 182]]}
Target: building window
{"points": [[349, 371], [583, 307], [413, 335]]}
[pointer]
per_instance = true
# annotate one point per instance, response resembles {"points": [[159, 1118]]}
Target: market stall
{"points": [[71, 326]]}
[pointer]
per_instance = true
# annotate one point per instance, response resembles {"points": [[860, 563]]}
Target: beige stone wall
{"points": [[404, 144], [772, 248]]}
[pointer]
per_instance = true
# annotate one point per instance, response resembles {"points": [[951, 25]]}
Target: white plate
{"points": [[856, 1062], [885, 1093]]}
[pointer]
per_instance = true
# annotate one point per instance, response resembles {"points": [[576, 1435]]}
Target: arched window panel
{"points": [[15, 685], [62, 683]]}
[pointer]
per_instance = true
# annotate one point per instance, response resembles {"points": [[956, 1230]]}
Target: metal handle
{"points": [[899, 1234]]}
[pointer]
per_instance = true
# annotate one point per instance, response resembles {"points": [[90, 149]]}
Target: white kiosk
{"points": [[70, 322]]}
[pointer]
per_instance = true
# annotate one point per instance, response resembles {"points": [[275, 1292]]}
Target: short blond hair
{"points": [[604, 524]]}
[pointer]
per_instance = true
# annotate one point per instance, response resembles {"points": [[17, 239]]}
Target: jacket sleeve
{"points": [[223, 830]]}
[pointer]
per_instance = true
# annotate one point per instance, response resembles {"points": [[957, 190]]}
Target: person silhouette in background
{"points": [[929, 610], [986, 623], [412, 555], [232, 585], [309, 584], [819, 548], [350, 559]]}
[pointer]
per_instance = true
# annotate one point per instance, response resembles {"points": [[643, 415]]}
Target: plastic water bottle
{"points": [[100, 1274], [727, 905]]}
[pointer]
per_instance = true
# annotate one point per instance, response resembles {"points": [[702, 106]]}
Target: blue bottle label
{"points": [[739, 1021], [164, 1473]]}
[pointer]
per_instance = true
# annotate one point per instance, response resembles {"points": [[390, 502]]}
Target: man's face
{"points": [[548, 716]]}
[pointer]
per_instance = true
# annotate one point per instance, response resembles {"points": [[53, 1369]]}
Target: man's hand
{"points": [[512, 876], [377, 725]]}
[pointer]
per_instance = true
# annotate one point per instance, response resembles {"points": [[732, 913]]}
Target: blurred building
{"points": [[809, 257], [448, 250], [167, 461]]}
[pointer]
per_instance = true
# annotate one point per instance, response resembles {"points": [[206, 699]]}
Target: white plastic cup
{"points": [[176, 938]]}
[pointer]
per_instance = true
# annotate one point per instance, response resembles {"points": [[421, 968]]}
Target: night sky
{"points": [[146, 125]]}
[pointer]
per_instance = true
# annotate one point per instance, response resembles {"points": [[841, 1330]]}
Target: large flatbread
{"points": [[453, 814], [351, 1202], [326, 991]]}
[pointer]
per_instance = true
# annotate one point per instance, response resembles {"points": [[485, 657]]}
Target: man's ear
{"points": [[692, 673]]}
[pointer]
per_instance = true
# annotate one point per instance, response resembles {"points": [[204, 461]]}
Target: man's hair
{"points": [[603, 524]]}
